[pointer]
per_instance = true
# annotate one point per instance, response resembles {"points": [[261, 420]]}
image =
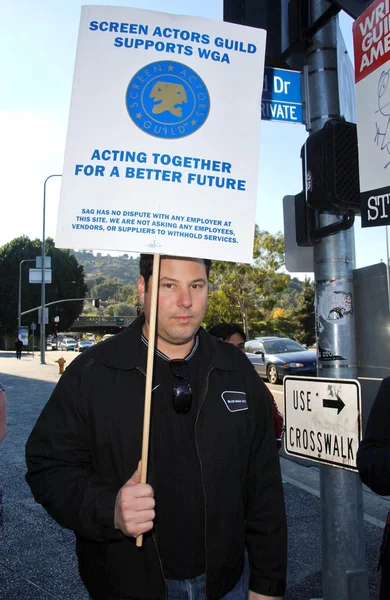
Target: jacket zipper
{"points": [[153, 535], [201, 472], [161, 567]]}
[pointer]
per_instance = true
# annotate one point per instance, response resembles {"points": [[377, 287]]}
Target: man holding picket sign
{"points": [[157, 447], [214, 488]]}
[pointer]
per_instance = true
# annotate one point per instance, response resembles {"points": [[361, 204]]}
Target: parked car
{"points": [[275, 357], [67, 344], [83, 345]]}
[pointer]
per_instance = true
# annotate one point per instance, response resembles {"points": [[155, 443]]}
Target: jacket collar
{"points": [[122, 351]]}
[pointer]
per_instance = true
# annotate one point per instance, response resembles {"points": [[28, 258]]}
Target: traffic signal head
{"points": [[96, 302], [138, 310], [330, 168], [271, 15]]}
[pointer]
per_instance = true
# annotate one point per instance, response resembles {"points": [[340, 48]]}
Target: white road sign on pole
{"points": [[35, 275], [162, 150], [372, 79], [323, 420]]}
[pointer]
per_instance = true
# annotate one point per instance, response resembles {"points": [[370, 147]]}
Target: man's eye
{"points": [[168, 286]]}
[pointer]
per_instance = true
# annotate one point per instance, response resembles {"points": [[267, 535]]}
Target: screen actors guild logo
{"points": [[167, 99]]}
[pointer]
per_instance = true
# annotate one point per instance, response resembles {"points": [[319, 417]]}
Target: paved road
{"points": [[36, 555]]}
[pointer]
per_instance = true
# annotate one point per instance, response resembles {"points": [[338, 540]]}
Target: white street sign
{"points": [[35, 276], [323, 419], [45, 316], [162, 150]]}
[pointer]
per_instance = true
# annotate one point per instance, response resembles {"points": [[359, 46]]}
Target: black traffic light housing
{"points": [[331, 169], [96, 302], [271, 15], [138, 310], [330, 173]]}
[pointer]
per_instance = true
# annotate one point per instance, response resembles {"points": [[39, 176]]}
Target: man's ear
{"points": [[141, 289]]}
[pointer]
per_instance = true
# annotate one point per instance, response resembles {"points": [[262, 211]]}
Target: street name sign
{"points": [[372, 85], [323, 420], [282, 97]]}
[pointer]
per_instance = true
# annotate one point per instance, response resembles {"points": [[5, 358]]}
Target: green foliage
{"points": [[106, 290], [239, 291], [67, 282], [120, 310], [304, 314]]}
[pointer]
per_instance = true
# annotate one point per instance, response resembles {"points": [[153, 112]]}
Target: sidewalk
{"points": [[37, 560]]}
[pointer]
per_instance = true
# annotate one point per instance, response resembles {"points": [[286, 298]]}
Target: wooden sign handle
{"points": [[149, 374]]}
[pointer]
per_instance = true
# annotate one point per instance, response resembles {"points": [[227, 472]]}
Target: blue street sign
{"points": [[282, 98]]}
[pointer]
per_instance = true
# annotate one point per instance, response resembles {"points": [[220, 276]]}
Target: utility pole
{"points": [[343, 558], [43, 284]]}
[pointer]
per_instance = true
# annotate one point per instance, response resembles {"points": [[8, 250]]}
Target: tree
{"points": [[107, 289], [304, 314], [67, 282], [120, 310], [128, 293], [239, 292]]}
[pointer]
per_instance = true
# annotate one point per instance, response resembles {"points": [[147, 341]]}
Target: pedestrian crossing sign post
{"points": [[323, 420]]}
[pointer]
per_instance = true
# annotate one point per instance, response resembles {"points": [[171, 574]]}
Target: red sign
{"points": [[371, 39]]}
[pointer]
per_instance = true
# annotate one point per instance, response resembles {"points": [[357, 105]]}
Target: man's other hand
{"points": [[134, 506]]}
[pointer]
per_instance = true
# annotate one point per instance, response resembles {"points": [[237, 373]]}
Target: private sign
{"points": [[323, 420]]}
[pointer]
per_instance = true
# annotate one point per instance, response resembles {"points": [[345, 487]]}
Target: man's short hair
{"points": [[146, 266], [224, 331]]}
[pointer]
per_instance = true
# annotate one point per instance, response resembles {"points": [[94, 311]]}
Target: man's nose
{"points": [[185, 298]]}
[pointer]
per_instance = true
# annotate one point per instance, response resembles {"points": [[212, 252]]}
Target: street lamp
{"points": [[43, 289], [20, 289]]}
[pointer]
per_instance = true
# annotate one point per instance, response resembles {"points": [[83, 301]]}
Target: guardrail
{"points": [[103, 321]]}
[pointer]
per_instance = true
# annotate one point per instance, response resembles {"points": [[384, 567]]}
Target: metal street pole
{"points": [[43, 288], [343, 559], [20, 289]]}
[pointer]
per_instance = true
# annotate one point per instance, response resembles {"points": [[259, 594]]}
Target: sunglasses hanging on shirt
{"points": [[182, 392]]}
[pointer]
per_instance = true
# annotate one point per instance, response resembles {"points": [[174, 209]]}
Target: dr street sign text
{"points": [[282, 98]]}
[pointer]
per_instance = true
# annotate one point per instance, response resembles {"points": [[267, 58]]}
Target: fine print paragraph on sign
{"points": [[105, 219]]}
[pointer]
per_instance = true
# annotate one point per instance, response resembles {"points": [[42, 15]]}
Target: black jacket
{"points": [[373, 458], [87, 442]]}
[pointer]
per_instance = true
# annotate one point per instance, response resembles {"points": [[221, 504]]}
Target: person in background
{"points": [[18, 348], [214, 485], [3, 431], [234, 334], [373, 462]]}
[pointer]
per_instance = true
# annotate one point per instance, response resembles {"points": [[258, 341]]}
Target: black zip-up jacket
{"points": [[373, 457], [87, 443]]}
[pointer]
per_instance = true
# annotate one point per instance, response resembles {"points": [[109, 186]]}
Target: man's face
{"points": [[182, 300]]}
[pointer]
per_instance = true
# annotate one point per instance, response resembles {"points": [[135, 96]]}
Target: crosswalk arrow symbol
{"points": [[339, 404]]}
